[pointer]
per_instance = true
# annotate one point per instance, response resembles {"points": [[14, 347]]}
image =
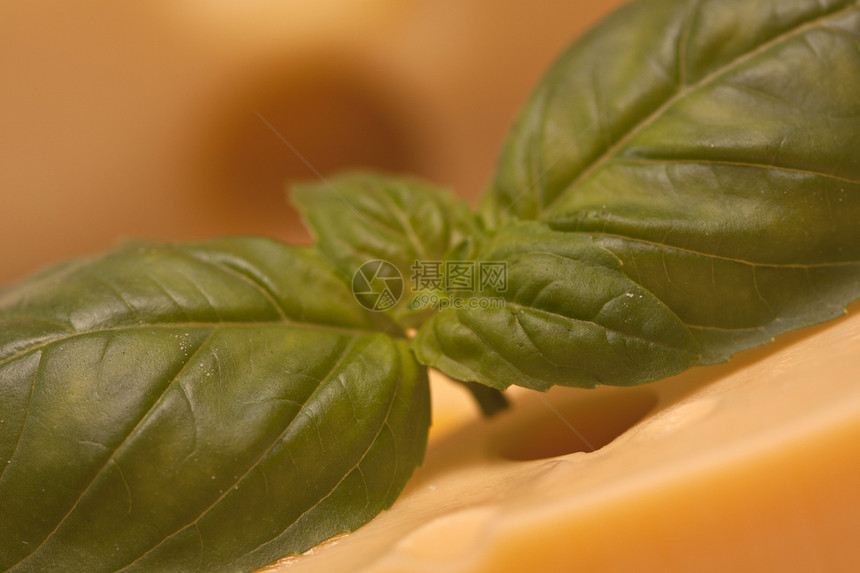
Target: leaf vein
{"points": [[256, 282], [601, 326], [611, 152], [346, 474], [26, 417], [112, 457], [256, 464]]}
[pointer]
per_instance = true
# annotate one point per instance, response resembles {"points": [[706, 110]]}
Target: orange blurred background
{"points": [[143, 119]]}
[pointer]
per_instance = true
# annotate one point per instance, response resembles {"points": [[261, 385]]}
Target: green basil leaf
{"points": [[713, 146], [571, 317], [208, 407], [361, 217]]}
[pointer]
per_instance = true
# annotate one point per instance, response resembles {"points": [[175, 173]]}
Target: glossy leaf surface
{"points": [[571, 317], [207, 407], [713, 146]]}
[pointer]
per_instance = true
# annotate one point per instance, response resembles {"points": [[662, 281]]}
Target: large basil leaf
{"points": [[208, 407], [713, 146], [570, 317]]}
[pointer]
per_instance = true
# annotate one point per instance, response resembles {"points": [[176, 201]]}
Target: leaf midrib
{"points": [[540, 311], [610, 153], [730, 163], [703, 254], [190, 325]]}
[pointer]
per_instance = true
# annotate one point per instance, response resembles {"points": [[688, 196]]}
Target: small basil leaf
{"points": [[571, 317], [360, 217], [712, 146], [205, 407]]}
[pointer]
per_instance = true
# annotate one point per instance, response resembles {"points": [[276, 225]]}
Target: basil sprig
{"points": [[683, 184]]}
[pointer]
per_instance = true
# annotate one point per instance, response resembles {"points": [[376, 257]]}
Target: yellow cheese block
{"points": [[752, 465]]}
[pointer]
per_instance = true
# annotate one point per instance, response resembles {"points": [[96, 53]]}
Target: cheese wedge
{"points": [[752, 465]]}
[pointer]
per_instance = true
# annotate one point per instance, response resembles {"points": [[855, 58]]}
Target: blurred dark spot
{"points": [[334, 120]]}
